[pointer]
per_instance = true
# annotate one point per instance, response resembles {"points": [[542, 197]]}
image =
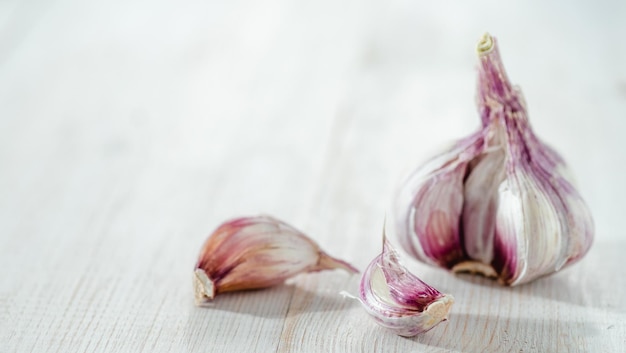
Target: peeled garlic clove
{"points": [[256, 252], [501, 202], [397, 299]]}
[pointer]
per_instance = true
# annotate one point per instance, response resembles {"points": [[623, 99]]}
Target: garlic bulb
{"points": [[499, 202], [256, 252], [397, 299]]}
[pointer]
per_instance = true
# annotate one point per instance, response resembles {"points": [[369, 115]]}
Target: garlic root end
{"points": [[204, 288], [438, 310], [475, 267]]}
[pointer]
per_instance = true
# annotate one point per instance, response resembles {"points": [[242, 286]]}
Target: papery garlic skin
{"points": [[256, 252], [397, 299], [500, 202]]}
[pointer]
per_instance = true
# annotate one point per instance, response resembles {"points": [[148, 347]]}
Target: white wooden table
{"points": [[130, 130]]}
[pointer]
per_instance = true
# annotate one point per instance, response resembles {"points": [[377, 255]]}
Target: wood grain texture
{"points": [[130, 130]]}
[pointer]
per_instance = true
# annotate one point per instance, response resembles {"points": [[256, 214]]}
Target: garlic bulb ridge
{"points": [[499, 202]]}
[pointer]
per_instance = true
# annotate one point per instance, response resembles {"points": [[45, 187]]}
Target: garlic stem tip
{"points": [[485, 44]]}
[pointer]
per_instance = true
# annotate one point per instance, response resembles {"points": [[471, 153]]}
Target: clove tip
{"points": [[327, 262]]}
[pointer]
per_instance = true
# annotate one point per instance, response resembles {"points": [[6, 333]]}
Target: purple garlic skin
{"points": [[398, 300], [500, 202], [256, 252]]}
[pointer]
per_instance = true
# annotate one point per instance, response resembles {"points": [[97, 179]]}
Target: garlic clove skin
{"points": [[398, 300], [256, 252], [480, 204], [540, 226], [430, 202], [511, 208], [528, 228]]}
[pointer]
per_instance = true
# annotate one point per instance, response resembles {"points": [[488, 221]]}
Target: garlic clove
{"points": [[540, 229], [256, 252], [480, 202], [480, 206], [429, 205], [511, 208], [397, 299], [528, 229]]}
